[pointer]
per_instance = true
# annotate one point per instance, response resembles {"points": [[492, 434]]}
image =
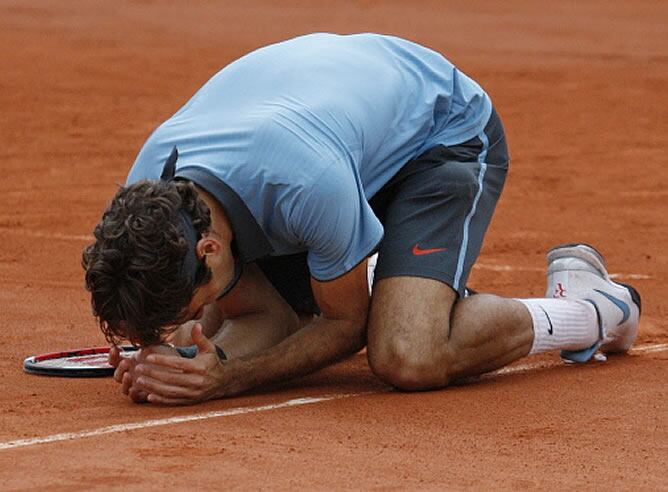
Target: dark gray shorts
{"points": [[435, 213], [436, 210]]}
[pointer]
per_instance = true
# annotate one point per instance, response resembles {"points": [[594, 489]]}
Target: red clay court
{"points": [[581, 87]]}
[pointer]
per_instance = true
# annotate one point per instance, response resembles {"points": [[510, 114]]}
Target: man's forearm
{"points": [[319, 344], [254, 332]]}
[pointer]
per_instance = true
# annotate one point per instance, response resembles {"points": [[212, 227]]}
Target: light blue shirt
{"points": [[306, 131]]}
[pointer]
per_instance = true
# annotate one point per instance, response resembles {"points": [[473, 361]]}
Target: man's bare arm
{"points": [[211, 321], [338, 333], [249, 319]]}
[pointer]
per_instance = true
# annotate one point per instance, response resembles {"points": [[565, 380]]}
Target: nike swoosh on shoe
{"points": [[624, 307]]}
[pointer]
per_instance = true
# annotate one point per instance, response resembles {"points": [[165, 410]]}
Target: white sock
{"points": [[567, 324]]}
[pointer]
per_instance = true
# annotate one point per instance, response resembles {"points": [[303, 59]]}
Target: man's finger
{"points": [[185, 365], [126, 383], [153, 386], [114, 356], [169, 376], [161, 400], [138, 396], [122, 368], [202, 342]]}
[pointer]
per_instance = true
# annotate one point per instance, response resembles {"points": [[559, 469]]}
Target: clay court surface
{"points": [[581, 87]]}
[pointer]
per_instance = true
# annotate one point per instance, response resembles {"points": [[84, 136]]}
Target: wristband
{"points": [[187, 352], [191, 351], [221, 353]]}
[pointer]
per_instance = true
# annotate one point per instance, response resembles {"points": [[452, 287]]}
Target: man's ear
{"points": [[207, 246]]}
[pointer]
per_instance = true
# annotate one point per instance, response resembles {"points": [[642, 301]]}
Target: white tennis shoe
{"points": [[578, 271]]}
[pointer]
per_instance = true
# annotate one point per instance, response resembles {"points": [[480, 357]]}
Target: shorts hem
{"points": [[442, 277]]}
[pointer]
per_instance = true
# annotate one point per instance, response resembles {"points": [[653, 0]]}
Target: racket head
{"points": [[88, 362]]}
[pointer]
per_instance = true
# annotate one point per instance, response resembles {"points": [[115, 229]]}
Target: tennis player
{"points": [[247, 219]]}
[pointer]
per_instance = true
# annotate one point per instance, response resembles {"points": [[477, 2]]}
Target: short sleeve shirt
{"points": [[294, 139]]}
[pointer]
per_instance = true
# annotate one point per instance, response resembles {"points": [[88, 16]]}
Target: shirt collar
{"points": [[250, 239]]}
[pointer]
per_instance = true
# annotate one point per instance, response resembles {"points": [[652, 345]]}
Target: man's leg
{"points": [[420, 337], [435, 212]]}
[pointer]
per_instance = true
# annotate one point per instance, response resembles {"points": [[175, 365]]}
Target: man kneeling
{"points": [[248, 217]]}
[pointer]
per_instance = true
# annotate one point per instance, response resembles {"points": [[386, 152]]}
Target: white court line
{"points": [[512, 268], [47, 235], [519, 368], [70, 436], [648, 349], [506, 268], [630, 276]]}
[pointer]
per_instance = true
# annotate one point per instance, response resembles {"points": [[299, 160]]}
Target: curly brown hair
{"points": [[134, 268]]}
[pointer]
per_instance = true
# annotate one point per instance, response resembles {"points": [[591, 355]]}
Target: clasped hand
{"points": [[158, 373]]}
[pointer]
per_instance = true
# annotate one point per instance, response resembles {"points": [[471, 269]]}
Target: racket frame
{"points": [[32, 364]]}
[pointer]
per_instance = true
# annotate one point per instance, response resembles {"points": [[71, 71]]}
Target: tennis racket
{"points": [[80, 363]]}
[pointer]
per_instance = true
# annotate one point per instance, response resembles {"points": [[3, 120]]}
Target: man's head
{"points": [[135, 268]]}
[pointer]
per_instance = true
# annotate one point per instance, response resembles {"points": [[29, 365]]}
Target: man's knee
{"points": [[407, 367], [407, 338]]}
